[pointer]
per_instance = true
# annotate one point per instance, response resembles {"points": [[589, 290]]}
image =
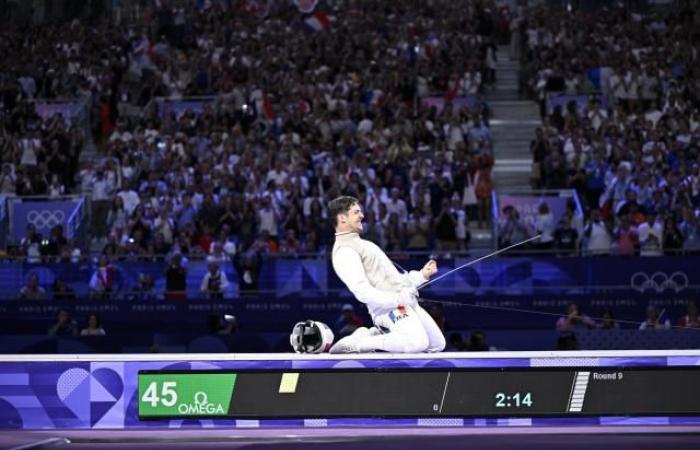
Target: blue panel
{"points": [[33, 406]]}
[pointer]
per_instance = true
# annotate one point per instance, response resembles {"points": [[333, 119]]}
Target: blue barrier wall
{"points": [[511, 340], [515, 276], [271, 314]]}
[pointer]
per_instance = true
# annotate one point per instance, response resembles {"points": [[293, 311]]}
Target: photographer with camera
{"points": [[574, 320], [214, 282]]}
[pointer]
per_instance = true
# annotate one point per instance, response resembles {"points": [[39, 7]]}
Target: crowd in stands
{"points": [[368, 104], [47, 63], [629, 142]]}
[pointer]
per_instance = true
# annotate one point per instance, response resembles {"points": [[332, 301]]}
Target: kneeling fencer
{"points": [[401, 325]]}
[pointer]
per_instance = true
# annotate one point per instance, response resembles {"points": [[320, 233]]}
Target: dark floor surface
{"points": [[520, 438]]}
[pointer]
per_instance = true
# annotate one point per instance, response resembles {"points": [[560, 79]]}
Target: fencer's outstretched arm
{"points": [[418, 277], [414, 277], [348, 265]]}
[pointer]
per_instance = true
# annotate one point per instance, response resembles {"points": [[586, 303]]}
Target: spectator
{"points": [[478, 343], [690, 231], [513, 230], [56, 189], [268, 218], [417, 229], [56, 242], [248, 264], [484, 188], [71, 252], [62, 291], [651, 237], [653, 320], [393, 232], [64, 326], [455, 343], [347, 323], [290, 244], [461, 230], [214, 282], [574, 320], [217, 255], [94, 327], [102, 283], [265, 244], [144, 289], [608, 321], [626, 237], [101, 193], [673, 240], [544, 225], [31, 244], [176, 279], [32, 290], [8, 180], [445, 225], [396, 205], [598, 235], [566, 238], [691, 318], [117, 217]]}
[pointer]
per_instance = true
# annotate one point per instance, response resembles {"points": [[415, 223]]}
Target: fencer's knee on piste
{"points": [[416, 342], [437, 344]]}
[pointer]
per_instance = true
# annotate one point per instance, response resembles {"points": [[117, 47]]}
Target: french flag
{"points": [[318, 22]]}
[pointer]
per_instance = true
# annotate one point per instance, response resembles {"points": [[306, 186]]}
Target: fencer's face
{"points": [[352, 221]]}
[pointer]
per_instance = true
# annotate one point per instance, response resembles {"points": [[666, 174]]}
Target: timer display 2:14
{"points": [[515, 400]]}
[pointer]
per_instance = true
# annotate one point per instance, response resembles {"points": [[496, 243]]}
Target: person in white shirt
{"points": [[101, 201], [544, 225], [654, 320], [396, 205], [214, 283], [268, 219], [651, 237], [401, 325], [94, 327], [8, 180], [598, 235]]}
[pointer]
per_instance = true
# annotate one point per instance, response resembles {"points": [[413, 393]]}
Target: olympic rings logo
{"points": [[46, 218], [659, 281]]}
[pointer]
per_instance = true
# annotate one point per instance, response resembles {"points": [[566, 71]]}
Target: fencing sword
{"points": [[472, 262]]}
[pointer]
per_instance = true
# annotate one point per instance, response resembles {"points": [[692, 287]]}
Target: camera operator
{"points": [[214, 282], [574, 320]]}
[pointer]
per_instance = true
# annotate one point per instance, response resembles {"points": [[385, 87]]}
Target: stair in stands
{"points": [[513, 126]]}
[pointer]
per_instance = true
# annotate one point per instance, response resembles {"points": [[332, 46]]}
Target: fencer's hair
{"points": [[340, 205]]}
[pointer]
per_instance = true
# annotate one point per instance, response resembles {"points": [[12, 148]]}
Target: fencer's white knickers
{"points": [[408, 330], [411, 330]]}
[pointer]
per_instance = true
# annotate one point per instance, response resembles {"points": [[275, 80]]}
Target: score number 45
{"points": [[168, 394]]}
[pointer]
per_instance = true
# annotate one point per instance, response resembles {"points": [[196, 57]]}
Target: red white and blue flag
{"points": [[319, 21]]}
